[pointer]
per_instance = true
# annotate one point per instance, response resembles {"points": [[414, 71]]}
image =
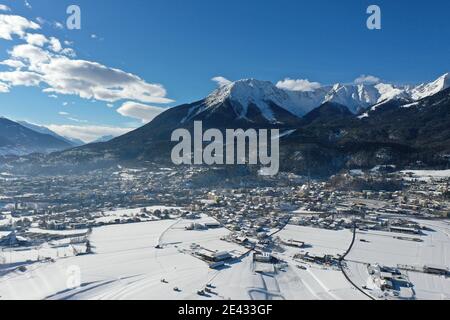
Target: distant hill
{"points": [[103, 139], [15, 139], [44, 130]]}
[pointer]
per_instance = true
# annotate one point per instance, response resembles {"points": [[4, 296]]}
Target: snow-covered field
{"points": [[321, 241], [127, 265], [426, 175], [58, 232], [382, 248], [111, 216], [319, 282]]}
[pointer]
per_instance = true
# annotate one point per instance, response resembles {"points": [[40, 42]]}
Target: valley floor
{"points": [[128, 265]]}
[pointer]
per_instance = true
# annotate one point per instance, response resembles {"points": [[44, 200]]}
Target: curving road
{"points": [[342, 259]]}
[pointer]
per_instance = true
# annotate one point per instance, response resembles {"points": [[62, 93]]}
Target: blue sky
{"points": [[182, 44]]}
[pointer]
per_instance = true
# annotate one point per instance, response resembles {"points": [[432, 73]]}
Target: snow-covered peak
{"points": [[363, 96], [244, 93], [359, 96], [389, 92], [429, 89], [408, 95]]}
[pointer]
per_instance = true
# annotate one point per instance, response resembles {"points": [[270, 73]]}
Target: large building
{"points": [[13, 240]]}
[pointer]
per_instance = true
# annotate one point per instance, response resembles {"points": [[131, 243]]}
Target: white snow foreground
{"points": [[147, 261], [127, 265]]}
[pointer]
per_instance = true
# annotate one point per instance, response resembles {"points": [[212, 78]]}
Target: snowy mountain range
{"points": [[328, 120], [264, 95]]}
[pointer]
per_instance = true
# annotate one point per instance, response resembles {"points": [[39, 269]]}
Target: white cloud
{"points": [[77, 120], [221, 81], [58, 25], [55, 45], [298, 85], [53, 96], [4, 8], [16, 64], [68, 116], [39, 40], [87, 133], [86, 79], [367, 79], [15, 25], [36, 39], [140, 111], [69, 52], [4, 87], [53, 24], [91, 80], [20, 78], [43, 62], [28, 5], [31, 55]]}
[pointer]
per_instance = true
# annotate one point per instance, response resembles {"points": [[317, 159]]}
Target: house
{"points": [[294, 243], [196, 226], [435, 269], [241, 240], [214, 256], [212, 225], [216, 265], [222, 256], [13, 240], [404, 230], [263, 257]]}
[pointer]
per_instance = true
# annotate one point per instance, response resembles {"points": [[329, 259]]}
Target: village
{"points": [[278, 226]]}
